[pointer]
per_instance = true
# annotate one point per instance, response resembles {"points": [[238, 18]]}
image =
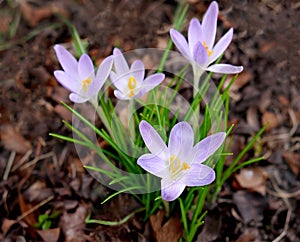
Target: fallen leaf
{"points": [[253, 179], [6, 224], [251, 205], [271, 119], [211, 227], [73, 224], [293, 161], [64, 113], [252, 118], [169, 232], [240, 81], [33, 15], [49, 235], [250, 234], [13, 140]]}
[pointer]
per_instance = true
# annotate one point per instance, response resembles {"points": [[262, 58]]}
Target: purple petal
{"points": [[180, 43], [153, 141], [181, 141], [102, 73], [66, 60], [120, 63], [86, 67], [170, 190], [206, 147], [67, 81], [209, 24], [152, 81], [198, 175], [200, 55], [221, 46], [194, 34], [120, 95], [77, 98], [154, 165], [225, 69], [137, 70]]}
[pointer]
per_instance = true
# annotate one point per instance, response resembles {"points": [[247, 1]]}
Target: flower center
{"points": [[209, 52], [177, 166], [131, 85], [86, 84]]}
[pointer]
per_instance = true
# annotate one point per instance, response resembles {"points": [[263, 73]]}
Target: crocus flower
{"points": [[179, 164], [130, 83], [79, 76], [200, 47]]}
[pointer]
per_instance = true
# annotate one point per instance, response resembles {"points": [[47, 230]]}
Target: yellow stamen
{"points": [[86, 84], [209, 52], [131, 85], [177, 166]]}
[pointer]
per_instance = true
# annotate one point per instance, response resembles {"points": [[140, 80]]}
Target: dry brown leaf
{"points": [[293, 161], [169, 232], [250, 234], [13, 140], [250, 205], [64, 113], [252, 118], [271, 119], [240, 82], [49, 235], [251, 177], [73, 224], [33, 15], [6, 224]]}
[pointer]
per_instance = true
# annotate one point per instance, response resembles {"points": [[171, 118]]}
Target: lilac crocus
{"points": [[79, 76], [200, 47], [130, 82], [179, 164]]}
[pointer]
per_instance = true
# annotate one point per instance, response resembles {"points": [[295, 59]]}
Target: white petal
{"points": [[86, 67], [198, 175], [170, 190], [181, 141], [67, 81], [153, 141], [152, 81], [102, 73], [137, 70], [67, 61], [206, 147], [77, 98], [209, 24], [120, 95], [200, 55], [194, 34], [225, 69], [221, 46], [180, 43], [120, 63], [154, 165]]}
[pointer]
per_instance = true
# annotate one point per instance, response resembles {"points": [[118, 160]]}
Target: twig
{"points": [[42, 203], [281, 194], [35, 160], [23, 159], [9, 165]]}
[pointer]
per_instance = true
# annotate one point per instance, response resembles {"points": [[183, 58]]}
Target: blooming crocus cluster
{"points": [[180, 163], [130, 82], [200, 48], [79, 77]]}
